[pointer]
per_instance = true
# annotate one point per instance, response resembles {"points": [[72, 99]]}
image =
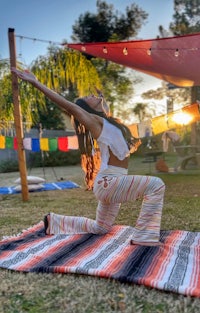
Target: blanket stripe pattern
{"points": [[174, 266], [46, 186]]}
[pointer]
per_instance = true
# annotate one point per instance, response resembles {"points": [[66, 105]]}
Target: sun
{"points": [[182, 118]]}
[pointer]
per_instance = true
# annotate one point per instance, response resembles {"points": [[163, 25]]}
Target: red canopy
{"points": [[174, 59]]}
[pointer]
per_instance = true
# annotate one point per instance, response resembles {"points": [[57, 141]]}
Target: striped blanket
{"points": [[175, 266]]}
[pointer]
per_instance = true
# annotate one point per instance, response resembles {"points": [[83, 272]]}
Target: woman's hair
{"points": [[84, 136]]}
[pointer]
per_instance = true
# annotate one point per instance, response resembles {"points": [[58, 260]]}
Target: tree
{"points": [[186, 17], [63, 68], [6, 100], [49, 116], [179, 96], [67, 72], [6, 103], [109, 25], [4, 67], [140, 110]]}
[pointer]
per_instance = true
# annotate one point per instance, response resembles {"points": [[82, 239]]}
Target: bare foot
{"points": [[148, 244]]}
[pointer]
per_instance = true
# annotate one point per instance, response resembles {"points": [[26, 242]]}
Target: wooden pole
{"points": [[193, 125], [18, 117]]}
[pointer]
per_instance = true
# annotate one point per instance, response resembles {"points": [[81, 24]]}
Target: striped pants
{"points": [[113, 187]]}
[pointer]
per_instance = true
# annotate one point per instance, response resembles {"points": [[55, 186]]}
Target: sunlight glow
{"points": [[182, 118]]}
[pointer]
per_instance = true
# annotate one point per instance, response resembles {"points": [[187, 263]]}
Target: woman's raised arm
{"points": [[90, 121]]}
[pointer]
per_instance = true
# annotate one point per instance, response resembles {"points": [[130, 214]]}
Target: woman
{"points": [[112, 185]]}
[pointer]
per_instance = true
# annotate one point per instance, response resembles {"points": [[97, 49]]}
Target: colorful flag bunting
{"points": [[155, 126]]}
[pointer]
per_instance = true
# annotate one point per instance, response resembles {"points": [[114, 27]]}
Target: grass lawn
{"points": [[55, 293]]}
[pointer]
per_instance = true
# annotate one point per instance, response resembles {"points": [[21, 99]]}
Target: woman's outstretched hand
{"points": [[25, 75]]}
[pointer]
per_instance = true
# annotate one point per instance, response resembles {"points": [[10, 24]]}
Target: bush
{"points": [[56, 158], [9, 166]]}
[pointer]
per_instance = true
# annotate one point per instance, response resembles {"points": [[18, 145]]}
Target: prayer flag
{"points": [[44, 144], [9, 142], [159, 124], [193, 110], [27, 143], [63, 143], [53, 144], [15, 143], [35, 145], [73, 142], [2, 142]]}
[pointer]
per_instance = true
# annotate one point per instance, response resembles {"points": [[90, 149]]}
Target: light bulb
{"points": [[149, 51], [176, 53], [125, 51], [105, 50]]}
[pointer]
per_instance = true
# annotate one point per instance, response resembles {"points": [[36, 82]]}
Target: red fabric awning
{"points": [[174, 59]]}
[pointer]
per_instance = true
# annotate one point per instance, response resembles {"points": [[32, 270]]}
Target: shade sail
{"points": [[173, 59]]}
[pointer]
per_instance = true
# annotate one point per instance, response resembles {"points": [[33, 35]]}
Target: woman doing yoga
{"points": [[112, 185]]}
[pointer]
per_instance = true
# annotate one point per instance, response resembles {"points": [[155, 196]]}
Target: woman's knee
{"points": [[159, 185], [100, 230]]}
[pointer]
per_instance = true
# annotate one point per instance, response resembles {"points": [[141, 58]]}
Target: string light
{"points": [[20, 46], [41, 40], [125, 51], [105, 50], [176, 53], [149, 51], [20, 57]]}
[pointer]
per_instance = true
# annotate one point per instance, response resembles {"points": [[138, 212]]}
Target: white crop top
{"points": [[111, 137]]}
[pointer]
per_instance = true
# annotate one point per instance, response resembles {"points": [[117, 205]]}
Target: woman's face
{"points": [[96, 103]]}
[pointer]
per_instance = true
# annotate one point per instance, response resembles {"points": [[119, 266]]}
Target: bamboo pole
{"points": [[18, 118]]}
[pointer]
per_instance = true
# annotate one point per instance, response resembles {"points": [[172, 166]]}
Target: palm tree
{"points": [[140, 110]]}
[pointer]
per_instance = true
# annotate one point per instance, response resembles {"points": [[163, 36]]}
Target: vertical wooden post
{"points": [[193, 125], [18, 118]]}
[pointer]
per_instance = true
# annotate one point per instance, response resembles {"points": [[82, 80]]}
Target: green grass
{"points": [[57, 293]]}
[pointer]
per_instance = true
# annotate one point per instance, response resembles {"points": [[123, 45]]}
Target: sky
{"points": [[51, 21]]}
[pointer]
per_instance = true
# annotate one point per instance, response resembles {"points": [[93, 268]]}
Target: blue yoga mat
{"points": [[46, 186]]}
